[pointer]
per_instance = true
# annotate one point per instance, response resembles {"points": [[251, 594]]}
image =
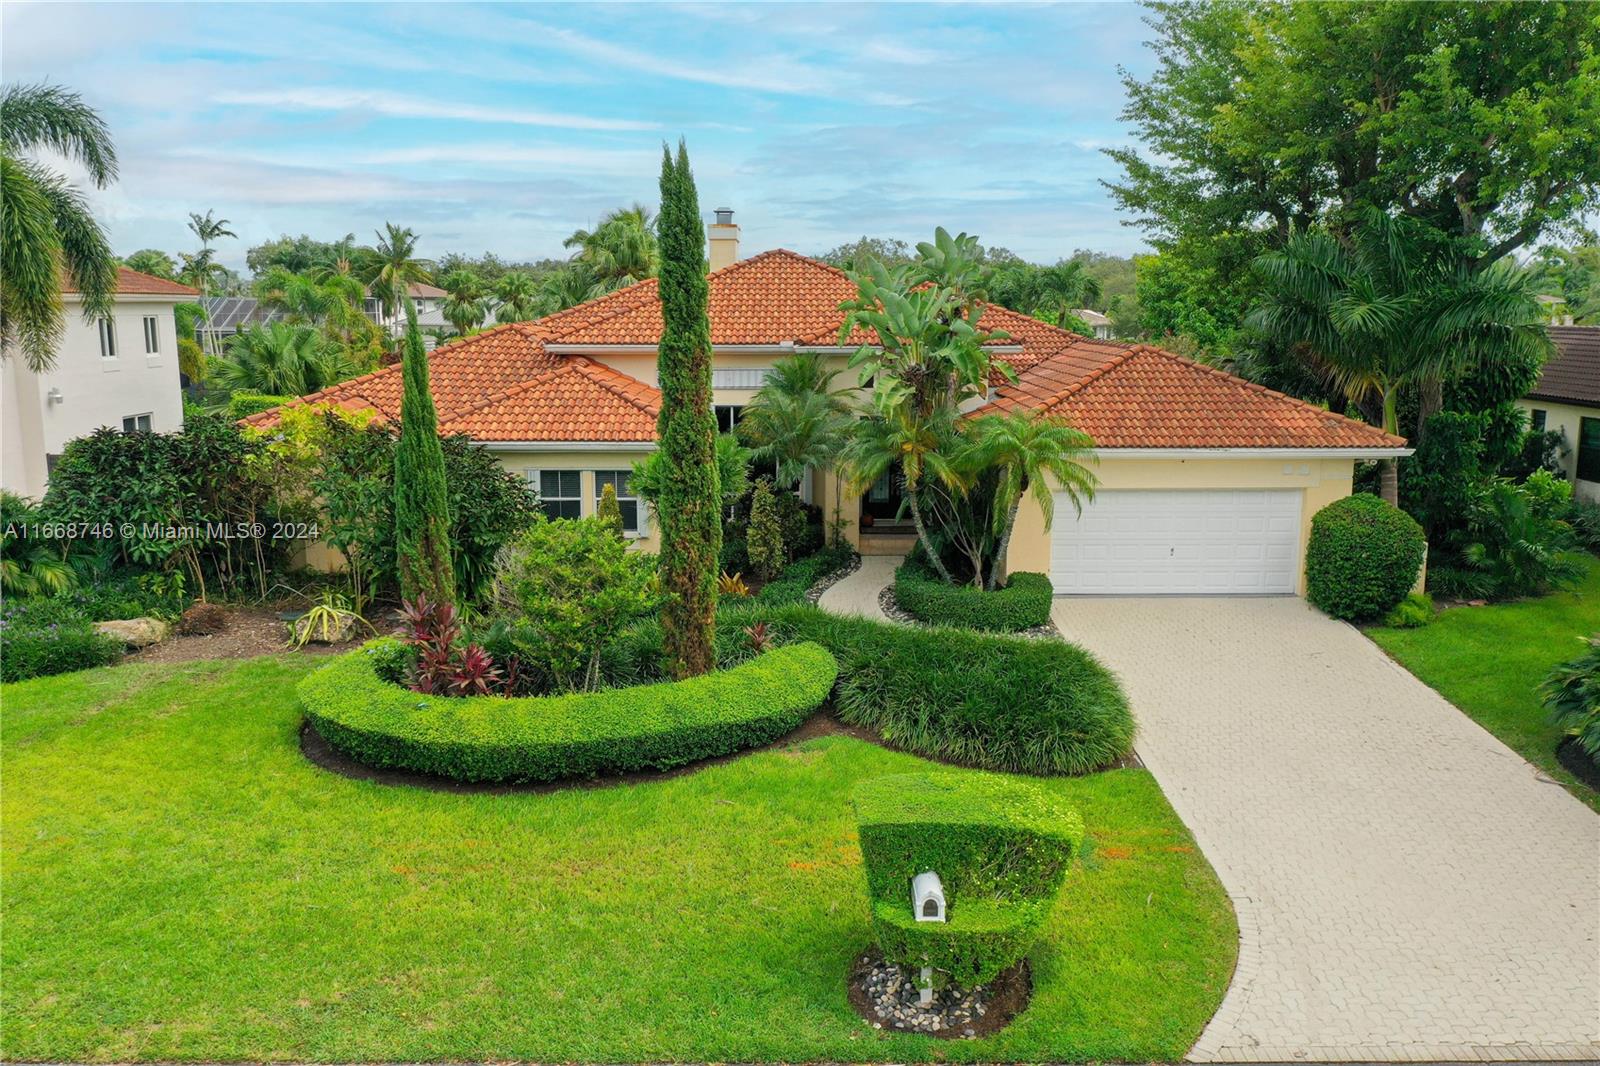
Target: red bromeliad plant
{"points": [[443, 668]]}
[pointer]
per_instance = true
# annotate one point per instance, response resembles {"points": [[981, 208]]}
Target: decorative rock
{"points": [[894, 996], [134, 632]]}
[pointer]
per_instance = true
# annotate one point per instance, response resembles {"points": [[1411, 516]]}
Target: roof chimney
{"points": [[724, 237]]}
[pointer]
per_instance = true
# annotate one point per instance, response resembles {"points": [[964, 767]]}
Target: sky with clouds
{"points": [[504, 127]]}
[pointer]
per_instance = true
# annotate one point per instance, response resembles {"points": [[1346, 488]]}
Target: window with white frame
{"points": [[136, 424], [627, 502], [152, 335], [728, 415], [560, 493], [108, 338]]}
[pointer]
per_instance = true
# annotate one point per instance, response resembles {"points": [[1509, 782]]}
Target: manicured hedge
{"points": [[551, 738], [1023, 602], [1363, 557], [796, 579], [53, 649], [1001, 848], [980, 699]]}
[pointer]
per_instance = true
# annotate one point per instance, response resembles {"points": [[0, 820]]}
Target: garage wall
{"points": [[1322, 480]]}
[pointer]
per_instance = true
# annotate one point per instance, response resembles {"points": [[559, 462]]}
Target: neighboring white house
{"points": [[1566, 400], [120, 371], [430, 309], [1096, 321]]}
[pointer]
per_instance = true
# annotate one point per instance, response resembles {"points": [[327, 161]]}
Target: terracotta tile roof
{"points": [[504, 385], [134, 283], [462, 374], [1573, 374], [1148, 398], [578, 400], [422, 288]]}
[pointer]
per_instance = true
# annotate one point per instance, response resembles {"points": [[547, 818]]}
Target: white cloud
{"points": [[396, 105]]}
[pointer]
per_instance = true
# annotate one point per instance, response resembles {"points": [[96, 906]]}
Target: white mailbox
{"points": [[927, 897]]}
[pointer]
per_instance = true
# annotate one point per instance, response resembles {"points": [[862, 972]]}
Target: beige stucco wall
{"points": [[1322, 481], [1563, 418], [586, 462]]}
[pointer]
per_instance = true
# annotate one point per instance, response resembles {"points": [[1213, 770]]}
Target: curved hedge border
{"points": [[551, 738], [987, 700], [1022, 603], [1000, 846]]}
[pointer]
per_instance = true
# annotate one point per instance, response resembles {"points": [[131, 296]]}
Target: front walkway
{"points": [[857, 593], [1407, 887]]}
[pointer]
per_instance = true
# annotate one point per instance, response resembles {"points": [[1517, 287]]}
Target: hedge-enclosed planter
{"points": [[553, 738], [1023, 602]]}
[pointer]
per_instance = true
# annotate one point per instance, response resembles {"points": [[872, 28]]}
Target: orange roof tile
{"points": [[578, 400], [461, 375], [134, 283], [504, 385], [1148, 398]]}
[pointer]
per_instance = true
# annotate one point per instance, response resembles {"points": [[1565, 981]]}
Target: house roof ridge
{"points": [[614, 381], [551, 325], [1081, 383], [599, 374]]}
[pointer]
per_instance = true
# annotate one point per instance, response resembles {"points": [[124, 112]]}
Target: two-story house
{"points": [[1208, 482], [119, 371]]}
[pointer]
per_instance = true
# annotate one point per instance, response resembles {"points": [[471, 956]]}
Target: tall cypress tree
{"points": [[421, 507], [690, 503]]}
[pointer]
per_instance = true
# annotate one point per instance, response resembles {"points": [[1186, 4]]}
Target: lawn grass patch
{"points": [[181, 884], [1488, 661]]}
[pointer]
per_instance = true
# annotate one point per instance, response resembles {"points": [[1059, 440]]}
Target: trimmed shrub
{"points": [[796, 579], [1363, 557], [979, 699], [1023, 602], [1001, 848], [552, 738], [54, 648], [764, 542], [243, 404], [1413, 612]]}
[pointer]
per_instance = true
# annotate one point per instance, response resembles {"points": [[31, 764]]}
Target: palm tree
{"points": [[46, 227], [567, 287], [1047, 293], [464, 307], [518, 295], [152, 261], [1390, 308], [208, 229], [922, 447], [1026, 452], [797, 420], [281, 359], [392, 267], [621, 250]]}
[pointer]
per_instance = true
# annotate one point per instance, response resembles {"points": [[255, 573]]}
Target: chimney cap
{"points": [[724, 216]]}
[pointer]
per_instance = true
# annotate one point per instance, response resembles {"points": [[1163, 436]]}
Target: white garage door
{"points": [[1171, 542]]}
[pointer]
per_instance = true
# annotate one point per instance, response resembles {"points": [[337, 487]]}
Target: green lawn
{"points": [[181, 884], [1489, 660]]}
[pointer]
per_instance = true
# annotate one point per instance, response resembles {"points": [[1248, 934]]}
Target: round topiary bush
{"points": [[552, 738], [1363, 557]]}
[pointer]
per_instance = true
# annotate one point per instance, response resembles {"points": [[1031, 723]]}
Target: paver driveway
{"points": [[1407, 887]]}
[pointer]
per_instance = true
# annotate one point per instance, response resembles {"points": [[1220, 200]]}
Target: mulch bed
{"points": [[249, 632], [1570, 754], [1001, 1000], [323, 754]]}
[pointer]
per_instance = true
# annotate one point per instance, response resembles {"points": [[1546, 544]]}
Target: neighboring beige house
{"points": [[429, 301], [1567, 401], [1101, 324], [120, 371], [1208, 482]]}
